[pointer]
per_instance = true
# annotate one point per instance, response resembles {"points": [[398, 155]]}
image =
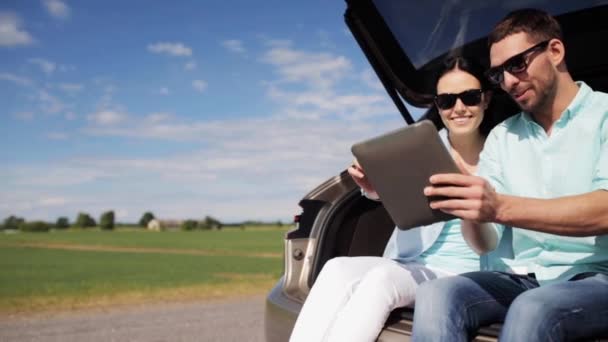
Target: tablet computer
{"points": [[399, 164]]}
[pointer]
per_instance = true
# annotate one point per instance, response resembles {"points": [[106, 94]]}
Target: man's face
{"points": [[533, 87]]}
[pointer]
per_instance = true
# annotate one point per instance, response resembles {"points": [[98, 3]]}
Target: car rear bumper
{"points": [[280, 314]]}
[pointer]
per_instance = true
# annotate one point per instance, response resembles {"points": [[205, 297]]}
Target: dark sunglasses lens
{"points": [[445, 101], [471, 97], [516, 64]]}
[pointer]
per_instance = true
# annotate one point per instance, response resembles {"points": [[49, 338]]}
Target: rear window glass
{"points": [[432, 27]]}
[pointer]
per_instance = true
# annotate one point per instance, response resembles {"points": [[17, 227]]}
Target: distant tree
{"points": [[210, 223], [13, 222], [84, 220], [62, 223], [280, 223], [106, 221], [146, 218], [35, 226], [189, 225]]}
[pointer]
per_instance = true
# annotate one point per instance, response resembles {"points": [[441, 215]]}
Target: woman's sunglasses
{"points": [[471, 97], [515, 64]]}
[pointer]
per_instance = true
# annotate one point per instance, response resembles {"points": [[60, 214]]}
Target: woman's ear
{"points": [[487, 97]]}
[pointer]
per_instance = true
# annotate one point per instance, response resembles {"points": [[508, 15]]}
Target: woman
{"points": [[353, 296]]}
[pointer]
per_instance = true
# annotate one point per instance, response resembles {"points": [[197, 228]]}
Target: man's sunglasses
{"points": [[471, 97], [514, 65]]}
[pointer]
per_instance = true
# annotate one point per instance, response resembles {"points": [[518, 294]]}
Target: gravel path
{"points": [[226, 320]]}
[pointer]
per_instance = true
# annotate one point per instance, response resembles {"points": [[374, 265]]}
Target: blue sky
{"points": [[233, 109]]}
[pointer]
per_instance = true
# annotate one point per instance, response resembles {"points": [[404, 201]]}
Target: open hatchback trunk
{"points": [[404, 42]]}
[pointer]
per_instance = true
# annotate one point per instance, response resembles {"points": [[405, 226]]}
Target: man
{"points": [[543, 172]]}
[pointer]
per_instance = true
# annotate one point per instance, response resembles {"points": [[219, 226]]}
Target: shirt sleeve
{"points": [[600, 179]]}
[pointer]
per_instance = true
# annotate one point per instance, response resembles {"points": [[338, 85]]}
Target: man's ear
{"points": [[557, 52]]}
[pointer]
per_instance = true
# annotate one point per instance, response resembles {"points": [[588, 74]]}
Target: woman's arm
{"points": [[481, 237]]}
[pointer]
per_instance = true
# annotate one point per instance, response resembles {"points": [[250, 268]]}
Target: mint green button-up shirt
{"points": [[520, 159]]}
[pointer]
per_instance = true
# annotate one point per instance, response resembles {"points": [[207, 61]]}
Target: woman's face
{"points": [[461, 119]]}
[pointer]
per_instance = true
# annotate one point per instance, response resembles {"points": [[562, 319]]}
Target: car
{"points": [[404, 41]]}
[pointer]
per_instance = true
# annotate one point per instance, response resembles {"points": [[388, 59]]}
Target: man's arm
{"points": [[472, 198], [580, 215]]}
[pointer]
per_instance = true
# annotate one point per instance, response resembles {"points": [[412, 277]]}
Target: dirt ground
{"points": [[237, 319]]}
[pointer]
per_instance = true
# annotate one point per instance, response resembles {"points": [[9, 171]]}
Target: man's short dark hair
{"points": [[539, 25]]}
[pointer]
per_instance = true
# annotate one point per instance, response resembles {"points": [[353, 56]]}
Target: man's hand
{"points": [[469, 197], [358, 175]]}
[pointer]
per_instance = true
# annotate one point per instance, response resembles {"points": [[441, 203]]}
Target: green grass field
{"points": [[73, 269]]}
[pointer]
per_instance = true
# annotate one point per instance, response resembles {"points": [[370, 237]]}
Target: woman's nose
{"points": [[459, 107]]}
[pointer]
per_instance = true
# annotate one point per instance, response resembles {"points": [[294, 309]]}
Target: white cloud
{"points": [[248, 168], [199, 85], [70, 116], [11, 33], [163, 91], [155, 118], [66, 68], [57, 8], [108, 117], [57, 136], [108, 89], [172, 49], [39, 204], [46, 66], [53, 201], [320, 70], [23, 81], [234, 169], [312, 85], [278, 43], [190, 65], [56, 175], [318, 104], [71, 88], [50, 103], [234, 45], [370, 78]]}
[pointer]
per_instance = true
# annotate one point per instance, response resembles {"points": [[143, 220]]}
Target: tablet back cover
{"points": [[399, 165]]}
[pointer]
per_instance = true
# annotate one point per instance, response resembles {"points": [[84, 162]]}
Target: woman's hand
{"points": [[358, 175]]}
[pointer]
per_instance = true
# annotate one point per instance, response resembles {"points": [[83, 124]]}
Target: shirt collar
{"points": [[578, 102], [573, 108]]}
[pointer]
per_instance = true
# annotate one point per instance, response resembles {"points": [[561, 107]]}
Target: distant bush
{"points": [[106, 221], [12, 222], [189, 225], [146, 218], [84, 220], [35, 226], [62, 223]]}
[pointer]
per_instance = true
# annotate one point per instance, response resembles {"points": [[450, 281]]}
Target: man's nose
{"points": [[509, 81]]}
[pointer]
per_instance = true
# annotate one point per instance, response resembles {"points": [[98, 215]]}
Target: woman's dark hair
{"points": [[471, 67]]}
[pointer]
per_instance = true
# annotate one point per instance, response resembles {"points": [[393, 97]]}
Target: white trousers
{"points": [[353, 296]]}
